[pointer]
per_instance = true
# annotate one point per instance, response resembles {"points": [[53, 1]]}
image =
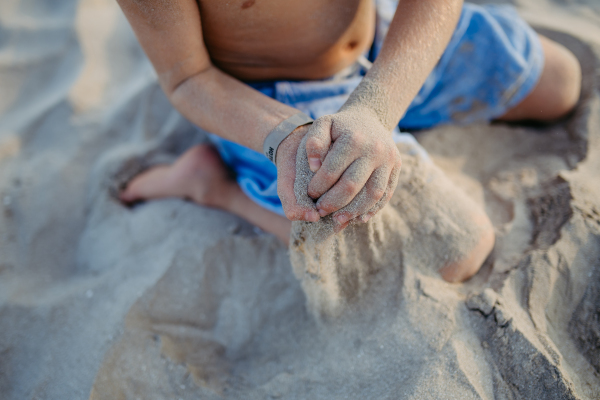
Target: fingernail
{"points": [[314, 164], [366, 218], [322, 212], [342, 219]]}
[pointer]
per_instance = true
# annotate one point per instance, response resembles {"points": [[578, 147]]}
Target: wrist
{"points": [[365, 113], [373, 98], [283, 131]]}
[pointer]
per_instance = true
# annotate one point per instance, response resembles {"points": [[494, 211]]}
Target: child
{"points": [[244, 69]]}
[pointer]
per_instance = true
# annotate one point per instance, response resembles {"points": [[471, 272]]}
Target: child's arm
{"points": [[363, 154], [417, 38], [170, 33]]}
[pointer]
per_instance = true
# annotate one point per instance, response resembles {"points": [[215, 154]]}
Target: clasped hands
{"points": [[356, 164]]}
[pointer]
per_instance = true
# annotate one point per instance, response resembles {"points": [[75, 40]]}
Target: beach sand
{"points": [[169, 300]]}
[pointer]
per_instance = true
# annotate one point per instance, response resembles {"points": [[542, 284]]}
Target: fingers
{"points": [[360, 212], [318, 142], [286, 176], [367, 198], [346, 189], [293, 211], [341, 155], [389, 192]]}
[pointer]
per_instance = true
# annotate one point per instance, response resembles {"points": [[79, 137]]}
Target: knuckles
{"points": [[350, 188], [315, 146], [377, 193], [313, 193], [356, 140], [290, 214], [326, 206], [379, 148], [324, 179]]}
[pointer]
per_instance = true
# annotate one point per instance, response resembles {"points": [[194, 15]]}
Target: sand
{"points": [[168, 300]]}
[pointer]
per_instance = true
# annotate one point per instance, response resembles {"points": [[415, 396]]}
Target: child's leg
{"points": [[201, 176], [557, 90]]}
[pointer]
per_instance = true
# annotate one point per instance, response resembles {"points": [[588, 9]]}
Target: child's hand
{"points": [[349, 151], [286, 176], [357, 166]]}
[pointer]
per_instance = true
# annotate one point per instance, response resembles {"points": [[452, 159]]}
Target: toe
{"points": [[151, 184], [133, 191], [127, 195], [197, 172]]}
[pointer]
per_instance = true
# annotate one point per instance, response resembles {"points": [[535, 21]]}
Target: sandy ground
{"points": [[169, 300]]}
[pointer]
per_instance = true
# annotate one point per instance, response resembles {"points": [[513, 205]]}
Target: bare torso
{"points": [[274, 39]]}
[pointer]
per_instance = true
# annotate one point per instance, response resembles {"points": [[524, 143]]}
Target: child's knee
{"points": [[562, 76]]}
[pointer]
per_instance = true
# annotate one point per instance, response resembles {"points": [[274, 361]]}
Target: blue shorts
{"points": [[493, 61]]}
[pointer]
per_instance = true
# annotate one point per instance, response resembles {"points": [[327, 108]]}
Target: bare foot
{"points": [[199, 175]]}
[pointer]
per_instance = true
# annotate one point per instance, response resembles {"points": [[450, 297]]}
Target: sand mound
{"points": [[168, 300], [427, 224], [371, 318]]}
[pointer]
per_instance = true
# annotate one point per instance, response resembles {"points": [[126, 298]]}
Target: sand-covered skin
{"points": [[379, 323], [355, 146], [99, 299], [429, 222]]}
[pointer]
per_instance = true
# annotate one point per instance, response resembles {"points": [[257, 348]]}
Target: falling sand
{"points": [[364, 314], [428, 222]]}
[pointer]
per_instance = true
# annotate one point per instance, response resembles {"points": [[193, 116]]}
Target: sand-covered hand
{"points": [[286, 176], [356, 163]]}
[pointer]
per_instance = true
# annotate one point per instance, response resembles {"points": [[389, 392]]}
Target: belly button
{"points": [[248, 4], [352, 45]]}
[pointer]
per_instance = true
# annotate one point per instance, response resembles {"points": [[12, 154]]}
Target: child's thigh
{"points": [[493, 61]]}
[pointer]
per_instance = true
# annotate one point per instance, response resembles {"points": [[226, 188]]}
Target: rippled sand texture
{"points": [[171, 300]]}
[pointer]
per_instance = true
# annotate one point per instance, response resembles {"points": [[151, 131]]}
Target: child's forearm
{"points": [[170, 33], [417, 37], [220, 104]]}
